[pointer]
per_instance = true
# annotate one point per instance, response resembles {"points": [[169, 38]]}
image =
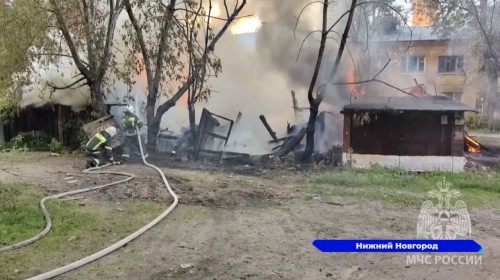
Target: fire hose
{"points": [[105, 251]]}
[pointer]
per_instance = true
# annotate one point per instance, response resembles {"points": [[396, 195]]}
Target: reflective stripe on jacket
{"points": [[130, 122], [99, 140]]}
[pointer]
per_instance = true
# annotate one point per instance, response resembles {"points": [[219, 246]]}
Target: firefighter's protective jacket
{"points": [[130, 122], [99, 142]]}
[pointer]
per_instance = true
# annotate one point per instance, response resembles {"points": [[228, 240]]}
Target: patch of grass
{"points": [[405, 189], [20, 216], [78, 230]]}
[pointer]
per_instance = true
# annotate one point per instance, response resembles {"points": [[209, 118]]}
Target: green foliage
{"points": [[482, 122], [55, 146], [20, 216], [319, 167], [84, 138], [7, 111], [75, 228], [406, 188], [468, 23], [34, 140], [22, 29], [278, 163], [378, 18]]}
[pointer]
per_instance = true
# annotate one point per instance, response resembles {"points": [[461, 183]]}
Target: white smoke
{"points": [[259, 72]]}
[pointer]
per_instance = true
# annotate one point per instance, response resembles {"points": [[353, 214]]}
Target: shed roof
{"points": [[424, 103]]}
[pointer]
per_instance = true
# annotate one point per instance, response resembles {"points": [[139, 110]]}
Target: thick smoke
{"points": [[259, 72]]}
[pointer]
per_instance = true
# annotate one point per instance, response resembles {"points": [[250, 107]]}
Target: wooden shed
{"points": [[57, 121], [412, 133]]}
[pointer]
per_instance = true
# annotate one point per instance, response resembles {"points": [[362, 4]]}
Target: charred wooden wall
{"points": [[409, 133]]}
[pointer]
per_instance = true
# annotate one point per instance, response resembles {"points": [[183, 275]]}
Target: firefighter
{"points": [[99, 148], [130, 124]]}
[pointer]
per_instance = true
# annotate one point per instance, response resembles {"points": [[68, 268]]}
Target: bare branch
{"points": [[343, 42], [142, 42], [214, 17], [169, 14], [491, 18], [300, 14], [303, 41], [226, 8], [486, 37], [209, 49], [319, 59], [69, 86], [106, 52], [69, 40]]}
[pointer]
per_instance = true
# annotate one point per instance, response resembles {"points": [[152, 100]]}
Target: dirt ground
{"points": [[261, 226]]}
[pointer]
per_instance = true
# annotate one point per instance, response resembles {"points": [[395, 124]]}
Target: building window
{"points": [[413, 64], [450, 64], [455, 96]]}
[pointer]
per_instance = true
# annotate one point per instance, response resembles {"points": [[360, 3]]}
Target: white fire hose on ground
{"points": [[110, 249]]}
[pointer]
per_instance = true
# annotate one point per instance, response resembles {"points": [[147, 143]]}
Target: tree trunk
{"points": [[99, 109], [490, 64], [192, 124], [153, 128], [491, 105], [311, 125], [154, 120]]}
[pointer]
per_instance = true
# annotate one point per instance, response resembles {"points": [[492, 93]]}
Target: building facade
{"points": [[415, 60]]}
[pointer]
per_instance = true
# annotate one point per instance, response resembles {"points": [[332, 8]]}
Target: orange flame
{"points": [[472, 146], [473, 150], [351, 79]]}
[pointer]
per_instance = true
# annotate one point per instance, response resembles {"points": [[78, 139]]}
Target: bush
{"points": [[481, 122], [55, 146], [84, 138], [34, 140]]}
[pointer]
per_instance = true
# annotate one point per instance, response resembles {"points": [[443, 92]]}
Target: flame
{"points": [[246, 25], [473, 150], [472, 145], [353, 88]]}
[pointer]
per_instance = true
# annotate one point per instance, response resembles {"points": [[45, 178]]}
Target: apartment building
{"points": [[417, 60]]}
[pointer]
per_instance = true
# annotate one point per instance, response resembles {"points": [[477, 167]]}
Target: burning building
{"points": [[411, 133]]}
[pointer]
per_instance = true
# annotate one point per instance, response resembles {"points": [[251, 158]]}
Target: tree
{"points": [[326, 31], [159, 35], [478, 21], [375, 18], [199, 91], [81, 30], [18, 34], [314, 102], [94, 30]]}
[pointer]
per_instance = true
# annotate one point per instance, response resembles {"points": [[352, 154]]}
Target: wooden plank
{"points": [[60, 128], [268, 128], [215, 135], [347, 132], [404, 134]]}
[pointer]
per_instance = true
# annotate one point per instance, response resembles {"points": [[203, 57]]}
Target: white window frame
{"points": [[404, 61]]}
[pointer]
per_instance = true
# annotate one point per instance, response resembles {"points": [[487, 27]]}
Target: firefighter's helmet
{"points": [[111, 131], [130, 109]]}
